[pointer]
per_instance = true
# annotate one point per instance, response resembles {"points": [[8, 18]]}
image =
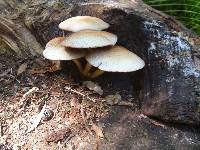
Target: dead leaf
{"points": [[93, 87], [57, 136], [41, 70], [113, 99], [35, 120], [98, 130], [21, 68]]}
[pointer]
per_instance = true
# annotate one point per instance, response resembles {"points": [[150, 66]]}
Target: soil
{"points": [[82, 119]]}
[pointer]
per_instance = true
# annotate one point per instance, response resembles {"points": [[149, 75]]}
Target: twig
{"points": [[67, 140], [158, 124], [60, 146], [1, 128], [32, 90], [85, 120], [23, 99], [79, 93], [125, 103]]}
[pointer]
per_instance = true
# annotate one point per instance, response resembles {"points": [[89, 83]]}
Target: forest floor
{"points": [[59, 110]]}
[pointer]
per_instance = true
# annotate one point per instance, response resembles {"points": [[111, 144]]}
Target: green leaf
{"points": [[187, 11]]}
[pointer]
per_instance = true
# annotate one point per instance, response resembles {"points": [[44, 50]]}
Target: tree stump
{"points": [[168, 86]]}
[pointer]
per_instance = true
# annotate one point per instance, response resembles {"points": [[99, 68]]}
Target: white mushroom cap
{"points": [[55, 51], [115, 59], [90, 39], [55, 42], [79, 23]]}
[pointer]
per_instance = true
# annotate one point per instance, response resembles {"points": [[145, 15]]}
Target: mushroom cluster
{"points": [[98, 47]]}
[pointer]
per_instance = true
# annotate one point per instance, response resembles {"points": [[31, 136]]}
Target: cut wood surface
{"points": [[169, 82]]}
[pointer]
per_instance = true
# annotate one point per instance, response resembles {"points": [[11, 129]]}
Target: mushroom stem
{"points": [[97, 73], [78, 64], [87, 69]]}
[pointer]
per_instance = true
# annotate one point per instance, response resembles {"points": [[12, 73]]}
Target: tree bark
{"points": [[169, 84]]}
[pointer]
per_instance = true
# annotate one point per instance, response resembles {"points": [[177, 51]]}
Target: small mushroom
{"points": [[112, 59], [79, 23], [54, 42], [56, 52], [90, 39]]}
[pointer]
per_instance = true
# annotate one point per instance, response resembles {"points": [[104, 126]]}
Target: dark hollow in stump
{"points": [[168, 86]]}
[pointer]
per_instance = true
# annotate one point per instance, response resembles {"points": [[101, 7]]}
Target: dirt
{"points": [[17, 110], [82, 119]]}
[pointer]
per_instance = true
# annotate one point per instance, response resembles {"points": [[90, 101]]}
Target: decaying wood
{"points": [[18, 37], [169, 84]]}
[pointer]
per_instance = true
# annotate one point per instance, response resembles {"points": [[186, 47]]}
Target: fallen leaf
{"points": [[98, 130], [35, 120], [93, 87], [21, 68], [113, 99], [57, 136], [41, 70]]}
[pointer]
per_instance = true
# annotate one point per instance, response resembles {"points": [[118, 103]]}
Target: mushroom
{"points": [[79, 23], [90, 39], [112, 59], [55, 41], [56, 52]]}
